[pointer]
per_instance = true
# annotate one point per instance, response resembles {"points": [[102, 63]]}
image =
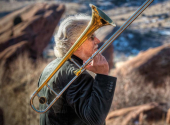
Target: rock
{"points": [[168, 117], [152, 65], [28, 29], [150, 112], [1, 117]]}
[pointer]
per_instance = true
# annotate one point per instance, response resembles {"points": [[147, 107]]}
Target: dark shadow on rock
{"points": [[17, 20], [1, 117]]}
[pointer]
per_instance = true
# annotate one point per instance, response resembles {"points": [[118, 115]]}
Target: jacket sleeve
{"points": [[91, 98]]}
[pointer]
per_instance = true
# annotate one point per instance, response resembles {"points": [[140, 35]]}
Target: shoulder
{"points": [[65, 69], [51, 66]]}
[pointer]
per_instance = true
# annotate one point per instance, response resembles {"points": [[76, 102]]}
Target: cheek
{"points": [[89, 46]]}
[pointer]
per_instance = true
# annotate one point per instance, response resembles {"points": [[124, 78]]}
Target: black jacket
{"points": [[86, 102]]}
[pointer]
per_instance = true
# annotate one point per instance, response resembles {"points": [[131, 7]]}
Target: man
{"points": [[87, 101]]}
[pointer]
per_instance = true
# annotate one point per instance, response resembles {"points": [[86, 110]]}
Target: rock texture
{"points": [[152, 65], [137, 114], [1, 117], [29, 28], [168, 117]]}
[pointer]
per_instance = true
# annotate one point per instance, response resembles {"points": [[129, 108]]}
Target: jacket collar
{"points": [[77, 59]]}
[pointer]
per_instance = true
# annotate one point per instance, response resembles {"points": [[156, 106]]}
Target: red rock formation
{"points": [[29, 28], [1, 117], [153, 65], [168, 117], [137, 114]]}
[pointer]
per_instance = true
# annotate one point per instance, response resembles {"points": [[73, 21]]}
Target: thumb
{"points": [[89, 67]]}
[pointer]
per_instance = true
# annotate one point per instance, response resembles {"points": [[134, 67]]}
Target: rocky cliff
{"points": [[28, 29]]}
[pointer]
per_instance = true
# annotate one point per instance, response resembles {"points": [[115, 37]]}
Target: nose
{"points": [[97, 41]]}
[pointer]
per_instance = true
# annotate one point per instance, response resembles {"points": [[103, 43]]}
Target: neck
{"points": [[81, 55]]}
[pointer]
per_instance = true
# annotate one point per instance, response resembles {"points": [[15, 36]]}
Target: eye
{"points": [[92, 37]]}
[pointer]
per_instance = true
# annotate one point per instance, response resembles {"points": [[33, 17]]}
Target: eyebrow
{"points": [[94, 35]]}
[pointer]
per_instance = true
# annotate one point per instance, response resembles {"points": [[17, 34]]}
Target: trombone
{"points": [[99, 19]]}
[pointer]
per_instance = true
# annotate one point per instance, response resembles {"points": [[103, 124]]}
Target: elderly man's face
{"points": [[89, 47]]}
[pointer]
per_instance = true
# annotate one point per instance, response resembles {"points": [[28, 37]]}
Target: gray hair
{"points": [[69, 31]]}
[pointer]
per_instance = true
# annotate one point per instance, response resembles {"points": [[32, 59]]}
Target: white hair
{"points": [[69, 31]]}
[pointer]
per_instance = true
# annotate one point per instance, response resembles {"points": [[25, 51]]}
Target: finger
{"points": [[91, 63], [103, 59], [96, 58], [90, 68], [99, 56]]}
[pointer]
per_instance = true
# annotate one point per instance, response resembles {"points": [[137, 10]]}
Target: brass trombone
{"points": [[98, 20]]}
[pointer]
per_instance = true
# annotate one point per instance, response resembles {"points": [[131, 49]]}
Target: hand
{"points": [[99, 65]]}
